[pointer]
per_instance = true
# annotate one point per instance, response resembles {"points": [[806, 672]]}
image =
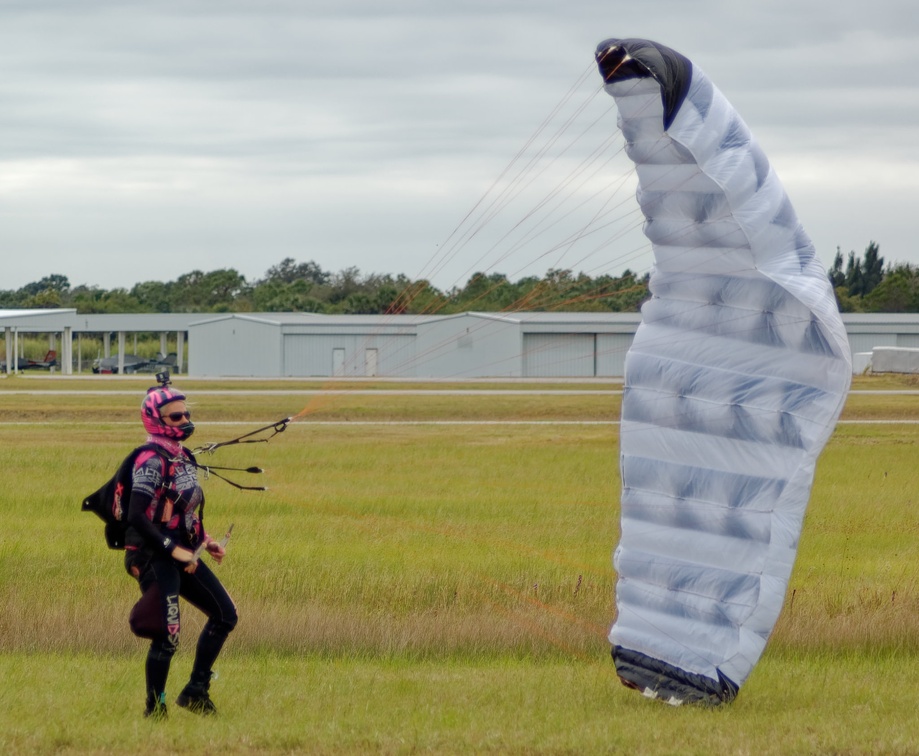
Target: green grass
{"points": [[270, 703], [433, 587]]}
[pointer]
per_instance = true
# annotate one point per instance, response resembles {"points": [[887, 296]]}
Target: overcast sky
{"points": [[143, 140]]}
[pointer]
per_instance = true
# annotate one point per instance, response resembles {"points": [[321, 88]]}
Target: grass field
{"points": [[431, 572]]}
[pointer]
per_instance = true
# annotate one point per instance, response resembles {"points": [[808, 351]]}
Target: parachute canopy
{"points": [[733, 385]]}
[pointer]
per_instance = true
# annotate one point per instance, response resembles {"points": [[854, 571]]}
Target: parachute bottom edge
{"points": [[658, 679]]}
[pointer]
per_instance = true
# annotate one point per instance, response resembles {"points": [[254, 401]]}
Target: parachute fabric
{"points": [[733, 384]]}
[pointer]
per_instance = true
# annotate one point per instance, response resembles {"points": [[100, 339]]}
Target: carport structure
{"points": [[63, 324], [146, 322], [15, 322]]}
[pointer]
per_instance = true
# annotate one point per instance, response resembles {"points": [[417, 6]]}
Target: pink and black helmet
{"points": [[157, 397]]}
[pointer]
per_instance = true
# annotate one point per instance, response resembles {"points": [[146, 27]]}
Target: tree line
{"points": [[291, 286], [862, 284]]}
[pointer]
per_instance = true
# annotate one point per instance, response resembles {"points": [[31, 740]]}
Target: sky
{"points": [[142, 140]]}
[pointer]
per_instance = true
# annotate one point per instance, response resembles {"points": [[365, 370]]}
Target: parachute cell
{"points": [[733, 385]]}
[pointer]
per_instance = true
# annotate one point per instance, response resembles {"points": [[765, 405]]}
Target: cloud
{"points": [[143, 140]]}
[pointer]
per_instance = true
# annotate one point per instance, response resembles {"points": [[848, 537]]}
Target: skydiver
{"points": [[165, 529]]}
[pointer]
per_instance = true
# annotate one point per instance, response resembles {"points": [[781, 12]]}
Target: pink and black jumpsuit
{"points": [[164, 511]]}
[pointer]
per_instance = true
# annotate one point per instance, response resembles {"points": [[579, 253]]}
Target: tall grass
{"points": [[433, 587], [399, 540], [856, 582], [92, 346]]}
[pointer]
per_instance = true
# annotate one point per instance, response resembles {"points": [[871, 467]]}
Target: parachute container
{"points": [[733, 385]]}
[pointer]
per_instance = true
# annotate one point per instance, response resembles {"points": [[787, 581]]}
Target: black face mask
{"points": [[187, 429]]}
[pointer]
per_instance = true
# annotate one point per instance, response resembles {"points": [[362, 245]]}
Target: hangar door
{"points": [[559, 355]]}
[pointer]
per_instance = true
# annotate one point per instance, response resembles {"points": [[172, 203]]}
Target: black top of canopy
{"points": [[620, 59]]}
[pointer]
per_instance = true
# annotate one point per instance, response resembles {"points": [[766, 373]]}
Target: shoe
{"points": [[156, 708], [197, 702]]}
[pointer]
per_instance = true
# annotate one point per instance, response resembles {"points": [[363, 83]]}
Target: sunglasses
{"points": [[176, 416]]}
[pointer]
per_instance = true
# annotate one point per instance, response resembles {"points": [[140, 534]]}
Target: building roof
{"points": [[45, 320], [37, 320]]}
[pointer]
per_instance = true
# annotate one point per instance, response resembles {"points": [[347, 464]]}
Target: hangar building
{"points": [[467, 345]]}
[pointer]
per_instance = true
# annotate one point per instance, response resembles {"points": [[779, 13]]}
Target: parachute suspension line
{"points": [[621, 232], [589, 229], [544, 224], [586, 230], [566, 245], [554, 207], [535, 231], [489, 210], [592, 228], [525, 168], [452, 244], [568, 291], [535, 298], [496, 200], [208, 471], [531, 174], [246, 438]]}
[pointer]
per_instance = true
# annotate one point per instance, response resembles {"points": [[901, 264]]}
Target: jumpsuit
{"points": [[165, 511]]}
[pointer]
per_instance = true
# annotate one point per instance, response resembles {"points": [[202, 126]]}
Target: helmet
{"points": [[157, 397]]}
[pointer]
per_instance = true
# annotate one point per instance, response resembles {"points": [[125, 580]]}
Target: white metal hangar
{"points": [[467, 345]]}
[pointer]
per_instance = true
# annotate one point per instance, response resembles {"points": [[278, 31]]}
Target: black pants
{"points": [[157, 616]]}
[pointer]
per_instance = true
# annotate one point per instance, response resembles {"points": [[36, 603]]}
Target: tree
{"points": [[89, 300], [861, 276], [46, 299], [154, 296], [276, 295], [214, 291], [836, 274], [50, 292], [898, 292], [344, 284], [289, 271], [55, 282], [872, 268]]}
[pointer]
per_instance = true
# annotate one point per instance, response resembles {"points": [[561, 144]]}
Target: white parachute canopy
{"points": [[733, 385]]}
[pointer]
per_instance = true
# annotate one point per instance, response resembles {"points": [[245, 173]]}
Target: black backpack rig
{"points": [[110, 502]]}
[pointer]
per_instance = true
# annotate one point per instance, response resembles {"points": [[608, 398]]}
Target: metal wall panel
{"points": [[865, 342], [468, 346], [234, 347], [348, 355], [611, 350], [556, 355]]}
